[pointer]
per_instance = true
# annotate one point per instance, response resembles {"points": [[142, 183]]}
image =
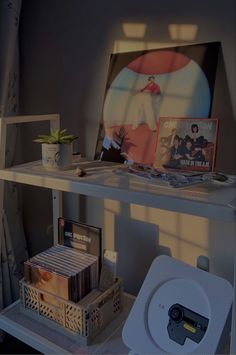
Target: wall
{"points": [[65, 48]]}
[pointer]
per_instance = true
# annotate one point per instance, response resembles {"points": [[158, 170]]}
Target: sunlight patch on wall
{"points": [[190, 239], [139, 212], [135, 33], [189, 254], [183, 32], [134, 30], [120, 46], [111, 209], [153, 215], [112, 206], [109, 230], [195, 230], [186, 236]]}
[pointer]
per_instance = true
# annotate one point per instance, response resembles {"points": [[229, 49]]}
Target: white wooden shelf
{"points": [[48, 338], [206, 199]]}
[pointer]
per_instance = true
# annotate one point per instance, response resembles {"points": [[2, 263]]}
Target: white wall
{"points": [[65, 48]]}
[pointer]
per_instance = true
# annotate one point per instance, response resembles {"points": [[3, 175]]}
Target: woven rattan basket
{"points": [[85, 321]]}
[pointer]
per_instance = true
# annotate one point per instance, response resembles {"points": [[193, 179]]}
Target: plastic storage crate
{"points": [[84, 321]]}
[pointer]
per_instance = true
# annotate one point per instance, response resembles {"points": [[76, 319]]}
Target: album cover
{"points": [[186, 144], [80, 236], [48, 280], [143, 86]]}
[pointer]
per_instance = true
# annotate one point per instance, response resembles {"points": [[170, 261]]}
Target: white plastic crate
{"points": [[84, 321]]}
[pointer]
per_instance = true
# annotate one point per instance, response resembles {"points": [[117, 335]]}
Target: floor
{"points": [[12, 345]]}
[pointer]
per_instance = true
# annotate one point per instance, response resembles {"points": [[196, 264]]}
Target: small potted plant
{"points": [[56, 149]]}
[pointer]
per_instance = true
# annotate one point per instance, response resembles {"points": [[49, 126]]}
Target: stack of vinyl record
{"points": [[64, 272]]}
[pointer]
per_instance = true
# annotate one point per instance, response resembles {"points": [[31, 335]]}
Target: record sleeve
{"points": [[79, 236], [187, 144], [62, 271], [48, 280]]}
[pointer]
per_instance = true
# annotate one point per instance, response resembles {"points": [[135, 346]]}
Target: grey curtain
{"points": [[13, 248]]}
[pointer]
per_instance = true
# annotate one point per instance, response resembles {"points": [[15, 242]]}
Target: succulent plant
{"points": [[56, 137]]}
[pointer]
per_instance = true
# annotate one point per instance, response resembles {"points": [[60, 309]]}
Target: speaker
{"points": [[180, 309]]}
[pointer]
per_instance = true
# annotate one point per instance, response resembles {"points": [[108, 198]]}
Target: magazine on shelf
{"points": [[167, 178], [186, 144]]}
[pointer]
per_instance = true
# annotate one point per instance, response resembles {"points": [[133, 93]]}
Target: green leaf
{"points": [[56, 136], [63, 132]]}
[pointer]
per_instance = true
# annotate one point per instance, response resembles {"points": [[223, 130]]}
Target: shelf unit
{"points": [[103, 180]]}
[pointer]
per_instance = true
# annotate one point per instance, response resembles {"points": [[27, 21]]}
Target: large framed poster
{"points": [[143, 86]]}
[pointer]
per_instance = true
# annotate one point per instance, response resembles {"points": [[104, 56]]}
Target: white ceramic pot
{"points": [[56, 156]]}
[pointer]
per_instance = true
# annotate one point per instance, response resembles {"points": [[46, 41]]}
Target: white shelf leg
{"points": [[57, 212], [3, 131], [2, 166], [56, 195], [2, 182]]}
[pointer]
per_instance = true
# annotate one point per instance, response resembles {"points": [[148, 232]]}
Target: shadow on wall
{"points": [[223, 110], [137, 244], [139, 234]]}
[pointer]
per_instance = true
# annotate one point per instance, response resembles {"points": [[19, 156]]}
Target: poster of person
{"points": [[145, 85], [186, 144]]}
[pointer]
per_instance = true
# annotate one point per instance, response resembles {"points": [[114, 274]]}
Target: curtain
{"points": [[13, 248]]}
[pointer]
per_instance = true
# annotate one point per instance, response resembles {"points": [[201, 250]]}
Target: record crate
{"points": [[82, 321]]}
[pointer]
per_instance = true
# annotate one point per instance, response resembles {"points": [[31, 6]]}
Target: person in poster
{"points": [[188, 150], [143, 109], [176, 153], [198, 143]]}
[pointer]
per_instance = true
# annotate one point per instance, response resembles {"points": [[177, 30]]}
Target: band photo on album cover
{"points": [[186, 144]]}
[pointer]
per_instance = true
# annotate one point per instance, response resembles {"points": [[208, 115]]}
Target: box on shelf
{"points": [[85, 319]]}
